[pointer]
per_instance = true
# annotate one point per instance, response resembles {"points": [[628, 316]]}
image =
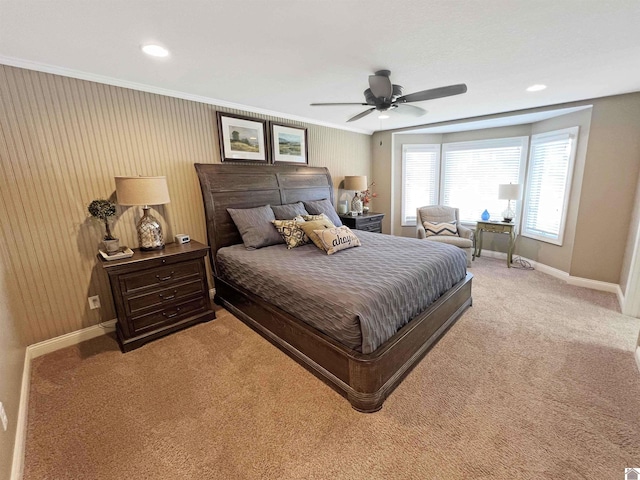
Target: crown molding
{"points": [[92, 77]]}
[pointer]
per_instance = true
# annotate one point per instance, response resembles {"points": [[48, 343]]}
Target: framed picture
{"points": [[289, 144], [242, 139]]}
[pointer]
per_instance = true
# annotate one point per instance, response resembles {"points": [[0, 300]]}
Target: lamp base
{"points": [[149, 232]]}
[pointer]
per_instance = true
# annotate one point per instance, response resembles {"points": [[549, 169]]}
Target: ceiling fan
{"points": [[383, 96]]}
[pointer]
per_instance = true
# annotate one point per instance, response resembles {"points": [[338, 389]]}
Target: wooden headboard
{"points": [[246, 186]]}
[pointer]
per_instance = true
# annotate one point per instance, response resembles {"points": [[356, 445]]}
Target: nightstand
{"points": [[496, 227], [159, 292], [370, 222]]}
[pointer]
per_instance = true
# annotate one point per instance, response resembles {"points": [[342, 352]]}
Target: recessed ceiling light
{"points": [[155, 50], [382, 116], [536, 88]]}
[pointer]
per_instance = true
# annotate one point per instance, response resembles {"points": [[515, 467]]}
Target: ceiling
{"points": [[278, 56]]}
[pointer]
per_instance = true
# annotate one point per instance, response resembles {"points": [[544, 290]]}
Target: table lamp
{"points": [[145, 191], [356, 183], [508, 192]]}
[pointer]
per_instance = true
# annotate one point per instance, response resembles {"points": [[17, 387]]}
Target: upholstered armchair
{"points": [[442, 214]]}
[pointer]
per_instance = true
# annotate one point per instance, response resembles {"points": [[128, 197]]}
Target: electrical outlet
{"points": [[3, 417], [94, 302]]}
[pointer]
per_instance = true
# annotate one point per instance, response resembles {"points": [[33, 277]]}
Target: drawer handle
{"points": [[170, 297], [164, 314], [162, 279]]}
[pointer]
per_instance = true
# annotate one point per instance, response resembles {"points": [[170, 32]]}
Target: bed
{"points": [[366, 368]]}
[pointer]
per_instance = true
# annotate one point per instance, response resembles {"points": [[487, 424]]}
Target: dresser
{"points": [[159, 292], [371, 222]]}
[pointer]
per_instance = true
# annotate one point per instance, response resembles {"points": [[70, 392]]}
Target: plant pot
{"points": [[365, 209], [111, 246]]}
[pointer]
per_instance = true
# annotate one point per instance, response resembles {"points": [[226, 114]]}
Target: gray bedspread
{"points": [[361, 296]]}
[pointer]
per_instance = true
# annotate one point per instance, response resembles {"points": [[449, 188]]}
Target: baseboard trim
{"points": [[638, 358], [34, 351], [571, 280], [73, 338]]}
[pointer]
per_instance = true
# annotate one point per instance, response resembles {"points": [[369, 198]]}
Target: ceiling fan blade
{"points": [[412, 110], [381, 85], [434, 93], [360, 115], [334, 104]]}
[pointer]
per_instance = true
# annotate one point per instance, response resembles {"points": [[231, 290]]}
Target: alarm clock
{"points": [[182, 238]]}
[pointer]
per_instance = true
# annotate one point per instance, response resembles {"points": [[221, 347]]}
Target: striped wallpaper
{"points": [[62, 141]]}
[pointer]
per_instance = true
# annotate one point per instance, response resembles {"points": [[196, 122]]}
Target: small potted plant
{"points": [[105, 210]]}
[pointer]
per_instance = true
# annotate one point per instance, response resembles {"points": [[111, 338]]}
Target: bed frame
{"points": [[364, 379]]}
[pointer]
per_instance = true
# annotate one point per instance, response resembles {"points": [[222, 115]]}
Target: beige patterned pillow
{"points": [[310, 226], [291, 232], [337, 238], [310, 218], [444, 228]]}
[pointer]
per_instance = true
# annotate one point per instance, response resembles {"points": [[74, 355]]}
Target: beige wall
{"points": [[608, 188], [381, 147], [62, 142]]}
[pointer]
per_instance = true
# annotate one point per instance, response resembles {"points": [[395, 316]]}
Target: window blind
{"points": [[548, 182], [472, 172], [420, 178]]}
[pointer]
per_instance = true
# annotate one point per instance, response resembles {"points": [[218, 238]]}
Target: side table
{"points": [[496, 227], [370, 222], [159, 292]]}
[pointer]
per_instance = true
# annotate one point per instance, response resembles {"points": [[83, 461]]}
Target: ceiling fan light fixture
{"points": [[536, 88], [155, 50], [382, 95]]}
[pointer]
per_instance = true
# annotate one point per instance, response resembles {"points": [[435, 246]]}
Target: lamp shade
{"points": [[142, 190], [356, 183], [509, 191]]}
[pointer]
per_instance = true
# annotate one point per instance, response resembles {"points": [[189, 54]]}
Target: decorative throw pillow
{"points": [[322, 216], [254, 225], [317, 207], [337, 238], [289, 211], [444, 228], [310, 227], [291, 233]]}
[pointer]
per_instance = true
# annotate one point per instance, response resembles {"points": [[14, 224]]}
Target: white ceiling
{"points": [[278, 56]]}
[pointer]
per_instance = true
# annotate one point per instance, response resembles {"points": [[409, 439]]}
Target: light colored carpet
{"points": [[536, 380]]}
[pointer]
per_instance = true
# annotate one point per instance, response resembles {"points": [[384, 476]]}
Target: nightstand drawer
{"points": [[159, 276], [168, 315], [175, 293], [365, 220], [487, 227], [369, 222], [372, 226]]}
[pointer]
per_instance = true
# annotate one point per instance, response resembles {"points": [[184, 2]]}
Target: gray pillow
{"points": [[289, 211], [317, 207], [254, 224]]}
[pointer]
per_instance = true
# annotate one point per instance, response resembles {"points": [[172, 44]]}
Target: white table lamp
{"points": [[509, 191]]}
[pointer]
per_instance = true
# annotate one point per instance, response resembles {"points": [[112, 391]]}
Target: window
{"points": [[472, 171], [420, 177], [548, 185]]}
